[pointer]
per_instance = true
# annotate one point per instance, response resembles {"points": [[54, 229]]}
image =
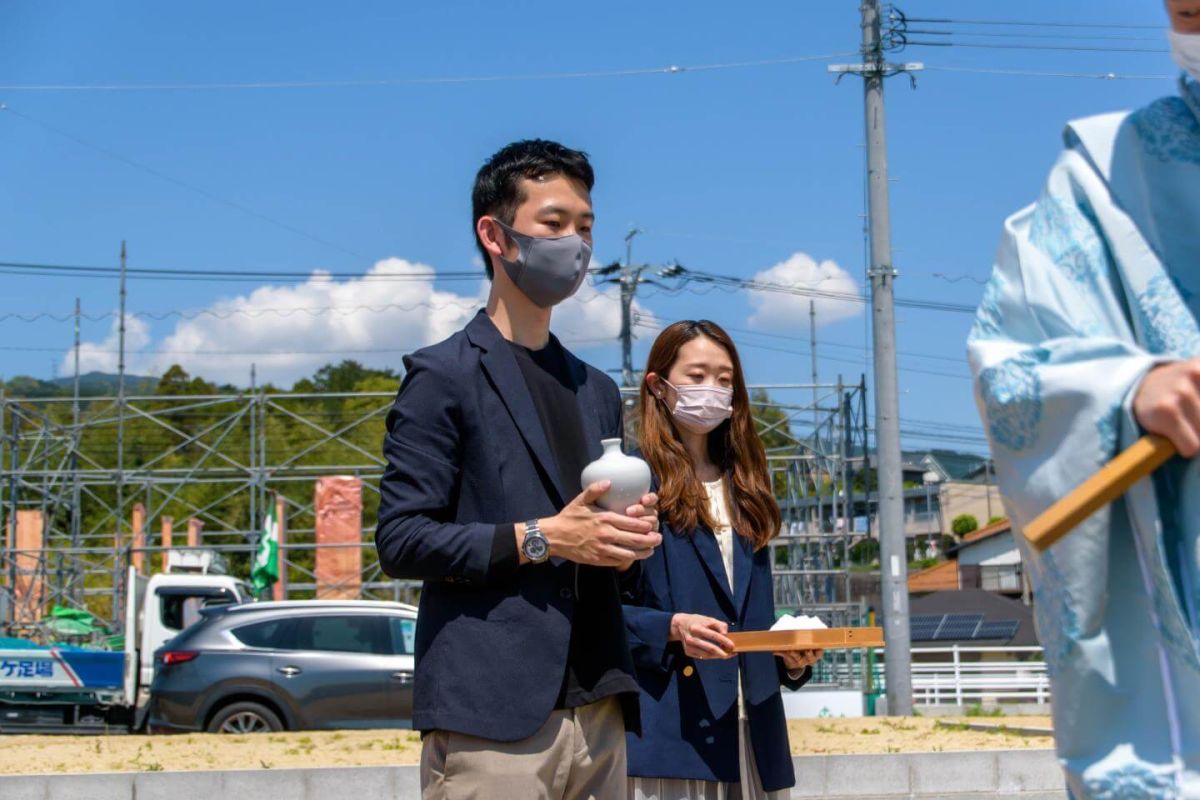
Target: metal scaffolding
{"points": [[109, 474], [214, 461]]}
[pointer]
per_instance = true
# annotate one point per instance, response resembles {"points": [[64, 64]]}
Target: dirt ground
{"points": [[912, 735], [48, 754]]}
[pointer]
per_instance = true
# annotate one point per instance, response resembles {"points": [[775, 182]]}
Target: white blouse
{"points": [[718, 509]]}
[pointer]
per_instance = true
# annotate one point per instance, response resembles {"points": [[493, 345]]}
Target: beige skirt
{"points": [[750, 787]]}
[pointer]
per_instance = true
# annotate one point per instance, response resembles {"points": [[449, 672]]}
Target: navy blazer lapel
{"points": [[743, 568], [710, 555], [505, 374]]}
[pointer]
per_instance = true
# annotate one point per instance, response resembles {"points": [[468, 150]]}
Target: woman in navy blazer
{"points": [[712, 723]]}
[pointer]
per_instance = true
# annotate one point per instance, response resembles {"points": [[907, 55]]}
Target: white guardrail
{"points": [[958, 675], [969, 675]]}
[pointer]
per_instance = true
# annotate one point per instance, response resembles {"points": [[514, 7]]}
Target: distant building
{"points": [[939, 485], [987, 559]]}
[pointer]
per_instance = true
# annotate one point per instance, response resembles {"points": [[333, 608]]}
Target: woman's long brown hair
{"points": [[734, 447]]}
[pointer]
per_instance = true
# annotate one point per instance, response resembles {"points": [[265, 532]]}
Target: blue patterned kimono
{"points": [[1095, 284]]}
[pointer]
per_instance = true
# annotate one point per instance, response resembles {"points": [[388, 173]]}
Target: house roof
{"points": [[935, 578], [993, 607], [951, 464], [995, 529]]}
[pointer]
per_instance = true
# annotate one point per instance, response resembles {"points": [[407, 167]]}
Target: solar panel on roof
{"points": [[922, 627], [998, 629], [958, 626]]}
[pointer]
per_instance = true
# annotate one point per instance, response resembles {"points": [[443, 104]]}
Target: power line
{"points": [[1104, 76], [312, 311], [672, 69], [337, 351], [804, 289], [1028, 24], [792, 351], [852, 297], [1017, 35], [1069, 48], [849, 346], [241, 275], [181, 183]]}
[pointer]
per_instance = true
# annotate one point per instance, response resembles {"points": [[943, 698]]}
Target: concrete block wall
{"points": [[995, 775]]}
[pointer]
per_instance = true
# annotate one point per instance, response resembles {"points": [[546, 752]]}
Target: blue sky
{"points": [[733, 170]]}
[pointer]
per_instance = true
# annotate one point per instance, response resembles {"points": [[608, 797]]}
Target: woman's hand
{"points": [[701, 636], [799, 660]]}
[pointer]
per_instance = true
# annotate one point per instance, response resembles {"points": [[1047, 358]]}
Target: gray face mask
{"points": [[547, 269]]}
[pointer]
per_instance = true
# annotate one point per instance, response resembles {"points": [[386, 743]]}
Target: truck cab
{"points": [[44, 688], [160, 607]]}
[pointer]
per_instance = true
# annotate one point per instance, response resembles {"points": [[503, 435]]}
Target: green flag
{"points": [[265, 569]]}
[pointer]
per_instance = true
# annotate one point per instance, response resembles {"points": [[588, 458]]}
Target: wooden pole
{"points": [[167, 527], [1106, 485], [193, 532], [138, 556], [279, 590]]}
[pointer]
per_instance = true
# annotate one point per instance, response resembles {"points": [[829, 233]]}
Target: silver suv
{"points": [[292, 665]]}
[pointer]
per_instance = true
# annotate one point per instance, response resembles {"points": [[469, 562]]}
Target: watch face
{"points": [[535, 548]]}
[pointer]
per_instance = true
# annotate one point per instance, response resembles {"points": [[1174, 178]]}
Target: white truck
{"points": [[45, 689]]}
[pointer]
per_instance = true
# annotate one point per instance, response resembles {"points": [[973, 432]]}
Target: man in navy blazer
{"points": [[524, 682]]}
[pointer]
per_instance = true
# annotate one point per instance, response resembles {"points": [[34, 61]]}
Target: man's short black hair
{"points": [[497, 190]]}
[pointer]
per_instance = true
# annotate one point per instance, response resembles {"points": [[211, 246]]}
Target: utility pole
{"points": [[629, 277], [818, 521], [75, 393], [628, 282], [254, 493], [812, 346], [893, 557], [76, 592], [120, 504]]}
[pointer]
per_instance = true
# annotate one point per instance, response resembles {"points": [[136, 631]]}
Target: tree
{"points": [[344, 377], [177, 381], [865, 551], [964, 524]]}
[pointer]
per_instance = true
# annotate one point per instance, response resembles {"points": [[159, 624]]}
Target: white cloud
{"points": [[781, 311], [289, 332], [103, 356], [593, 317]]}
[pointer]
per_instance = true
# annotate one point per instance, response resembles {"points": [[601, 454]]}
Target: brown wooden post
{"points": [[193, 533], [29, 591], [279, 590], [168, 525], [138, 557], [338, 560]]}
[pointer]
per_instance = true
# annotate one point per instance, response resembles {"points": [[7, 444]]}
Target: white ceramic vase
{"points": [[630, 477]]}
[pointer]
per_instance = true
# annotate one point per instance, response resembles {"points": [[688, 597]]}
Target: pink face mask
{"points": [[700, 407]]}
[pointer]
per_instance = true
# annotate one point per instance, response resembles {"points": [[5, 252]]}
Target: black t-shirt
{"points": [[597, 636]]}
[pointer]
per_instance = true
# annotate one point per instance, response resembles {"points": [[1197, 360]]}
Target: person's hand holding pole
{"points": [[1167, 404]]}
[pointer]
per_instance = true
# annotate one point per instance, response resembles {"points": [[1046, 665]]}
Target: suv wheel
{"points": [[245, 717]]}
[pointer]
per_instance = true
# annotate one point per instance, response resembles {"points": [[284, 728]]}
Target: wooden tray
{"points": [[819, 639]]}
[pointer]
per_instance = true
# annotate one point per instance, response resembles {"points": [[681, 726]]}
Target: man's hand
{"points": [[585, 534], [1168, 403], [701, 636], [799, 660]]}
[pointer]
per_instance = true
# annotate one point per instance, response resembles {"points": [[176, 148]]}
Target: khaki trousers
{"points": [[578, 754]]}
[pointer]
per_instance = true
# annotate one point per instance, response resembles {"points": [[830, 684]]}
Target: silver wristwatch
{"points": [[535, 547]]}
